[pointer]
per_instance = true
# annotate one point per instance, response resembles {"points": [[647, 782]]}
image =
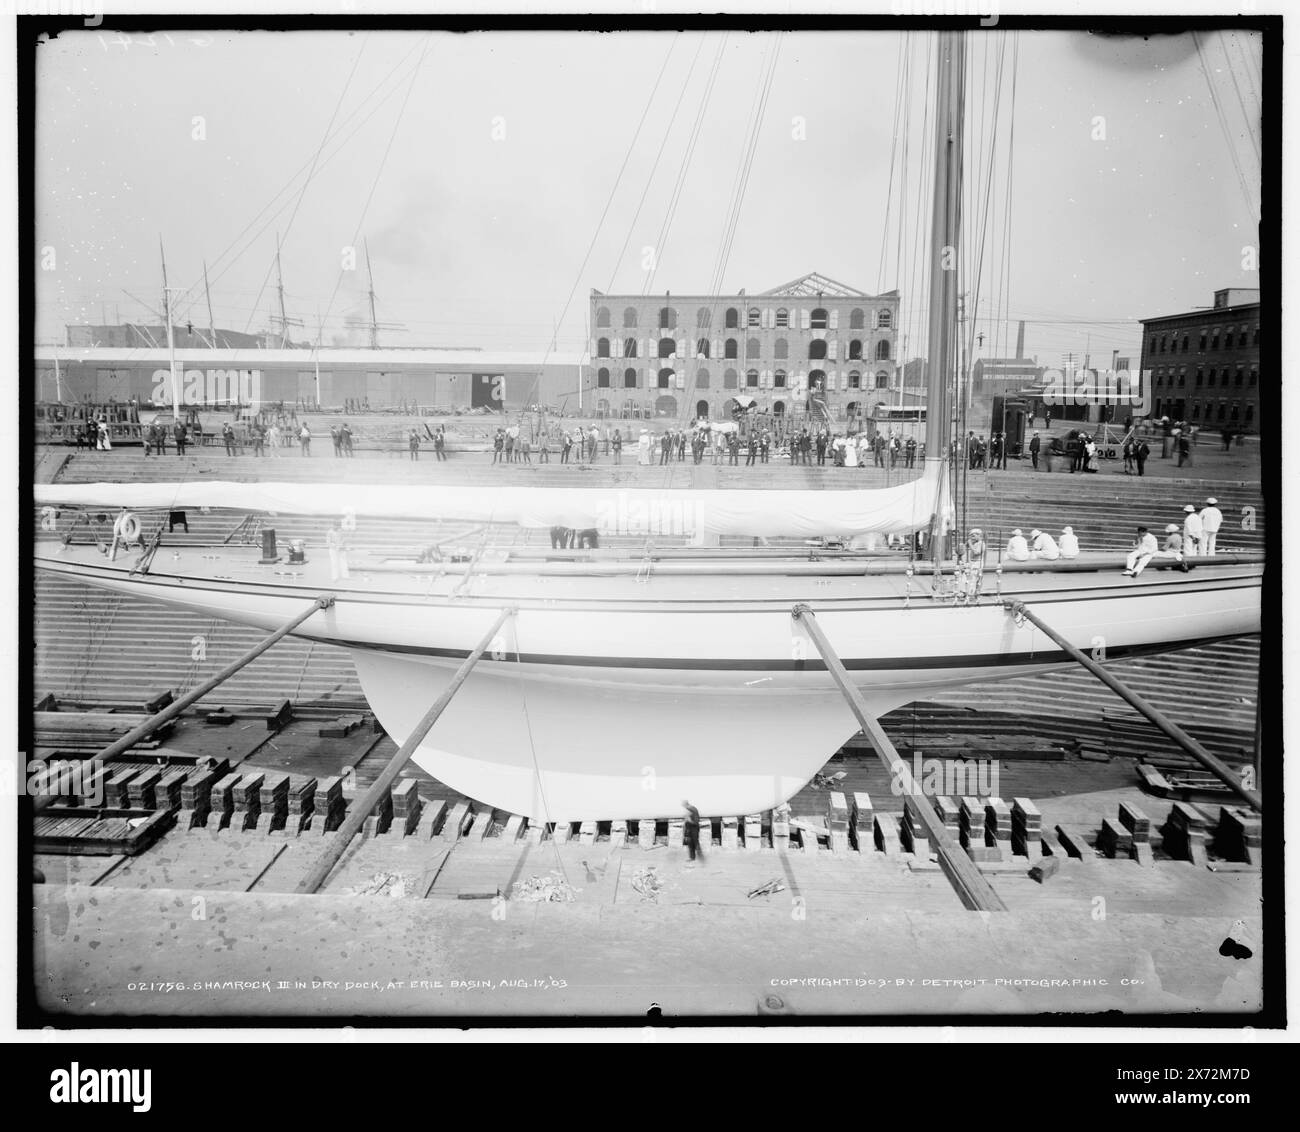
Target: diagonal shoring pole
{"points": [[972, 887], [361, 810]]}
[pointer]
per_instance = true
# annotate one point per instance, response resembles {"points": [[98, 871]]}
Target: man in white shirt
{"points": [[1211, 521], [1069, 544], [1192, 531], [1017, 547], [1044, 546], [1141, 554]]}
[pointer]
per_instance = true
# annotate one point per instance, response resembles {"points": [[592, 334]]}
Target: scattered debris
{"points": [[770, 888], [552, 888], [828, 781], [383, 884], [648, 883]]}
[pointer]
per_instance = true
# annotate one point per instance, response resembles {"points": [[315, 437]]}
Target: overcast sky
{"points": [[478, 168]]}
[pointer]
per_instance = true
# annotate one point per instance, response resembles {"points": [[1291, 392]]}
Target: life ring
{"points": [[127, 528]]}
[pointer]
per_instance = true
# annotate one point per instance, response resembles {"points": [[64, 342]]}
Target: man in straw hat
{"points": [[1211, 521], [1192, 530], [1042, 545], [1069, 543], [1017, 547]]}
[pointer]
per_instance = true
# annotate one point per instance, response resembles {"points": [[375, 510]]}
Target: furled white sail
{"points": [[890, 510]]}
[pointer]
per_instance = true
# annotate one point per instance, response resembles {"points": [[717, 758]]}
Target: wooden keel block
{"points": [[168, 791], [561, 833], [94, 790], [887, 835], [140, 790], [997, 825], [950, 814], [780, 825], [1072, 841], [1026, 828], [676, 833], [972, 823], [1240, 835], [514, 828], [645, 833], [117, 792], [753, 833], [587, 833], [860, 813], [431, 821], [1135, 821], [1114, 840]]}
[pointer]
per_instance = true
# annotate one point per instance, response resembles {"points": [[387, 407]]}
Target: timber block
{"points": [[1240, 836], [617, 832], [753, 833], [328, 805], [339, 728], [1026, 828], [456, 822], [48, 702], [731, 833], [279, 716], [140, 790], [809, 841], [1114, 840], [972, 822], [950, 814], [432, 817], [515, 828], [997, 825], [94, 790], [587, 833], [167, 793], [561, 831], [862, 817], [1045, 869], [1135, 821], [219, 718], [780, 824], [406, 808], [117, 787], [1142, 853], [645, 833], [984, 854], [1072, 841], [1050, 846], [837, 812], [676, 833], [887, 835], [154, 705], [484, 819], [1185, 833]]}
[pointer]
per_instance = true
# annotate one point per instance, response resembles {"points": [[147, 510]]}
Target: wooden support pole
{"points": [[177, 706], [972, 887], [1219, 769], [361, 810]]}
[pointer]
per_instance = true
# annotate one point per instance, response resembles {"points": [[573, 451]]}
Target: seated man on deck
{"points": [[1017, 547], [1142, 553], [1042, 545], [1069, 544]]}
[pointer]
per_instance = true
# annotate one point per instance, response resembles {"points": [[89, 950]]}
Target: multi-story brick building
{"points": [[812, 345], [1204, 364]]}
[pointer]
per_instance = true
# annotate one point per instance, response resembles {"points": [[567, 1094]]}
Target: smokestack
{"points": [[1020, 340]]}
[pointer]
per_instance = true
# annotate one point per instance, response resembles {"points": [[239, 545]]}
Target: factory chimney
{"points": [[1020, 340]]}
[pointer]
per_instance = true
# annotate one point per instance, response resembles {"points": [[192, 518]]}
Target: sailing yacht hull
{"points": [[617, 698]]}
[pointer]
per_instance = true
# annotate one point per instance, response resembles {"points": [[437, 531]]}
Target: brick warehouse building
{"points": [[810, 343], [1204, 364]]}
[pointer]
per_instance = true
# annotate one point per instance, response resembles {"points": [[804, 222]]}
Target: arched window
{"points": [[778, 379], [885, 319], [702, 348], [1202, 340], [755, 316], [702, 379], [817, 349], [751, 379], [778, 408], [667, 347], [602, 378], [702, 410], [882, 380], [729, 349], [733, 318], [820, 318], [882, 350], [782, 318], [629, 348], [629, 379], [602, 316], [855, 349], [602, 348], [1214, 341], [1227, 339], [816, 381], [851, 409], [780, 348], [629, 317], [729, 379], [703, 318], [667, 318], [857, 319], [752, 349], [855, 379], [666, 378]]}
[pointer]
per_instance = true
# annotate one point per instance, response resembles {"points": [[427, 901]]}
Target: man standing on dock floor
{"points": [[691, 832]]}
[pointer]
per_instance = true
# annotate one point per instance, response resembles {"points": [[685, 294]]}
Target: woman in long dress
{"points": [[643, 448]]}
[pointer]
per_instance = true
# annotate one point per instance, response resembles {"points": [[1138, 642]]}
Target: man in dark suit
{"points": [[1034, 446]]}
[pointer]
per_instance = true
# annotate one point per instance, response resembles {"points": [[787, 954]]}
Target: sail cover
{"points": [[890, 510]]}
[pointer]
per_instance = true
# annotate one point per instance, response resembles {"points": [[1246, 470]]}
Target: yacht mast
{"points": [[945, 233]]}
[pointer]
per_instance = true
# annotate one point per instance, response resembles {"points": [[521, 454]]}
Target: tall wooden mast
{"points": [[945, 242]]}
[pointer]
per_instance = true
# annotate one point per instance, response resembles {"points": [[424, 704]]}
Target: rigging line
{"points": [[893, 154], [297, 173], [1241, 102], [658, 155], [1010, 187], [662, 241], [920, 236], [379, 172], [1223, 126], [618, 180]]}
